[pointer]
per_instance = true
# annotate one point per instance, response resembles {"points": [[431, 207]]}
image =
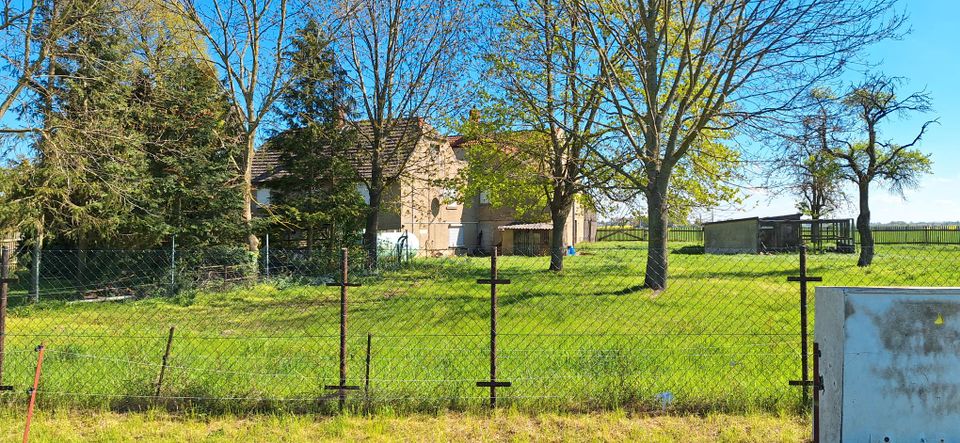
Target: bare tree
{"points": [[679, 69], [864, 161], [406, 59], [247, 40], [806, 168]]}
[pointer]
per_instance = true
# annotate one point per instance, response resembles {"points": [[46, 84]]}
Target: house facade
{"points": [[417, 205]]}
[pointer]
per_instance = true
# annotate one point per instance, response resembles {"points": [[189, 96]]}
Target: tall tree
{"points": [[317, 189], [30, 32], [406, 59], [189, 130], [679, 69], [812, 175], [548, 93], [189, 141], [247, 40], [88, 164], [869, 158]]}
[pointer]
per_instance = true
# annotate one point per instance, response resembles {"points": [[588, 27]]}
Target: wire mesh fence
{"points": [[257, 334], [882, 234]]}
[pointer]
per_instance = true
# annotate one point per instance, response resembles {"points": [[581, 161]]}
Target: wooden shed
{"points": [[782, 233]]}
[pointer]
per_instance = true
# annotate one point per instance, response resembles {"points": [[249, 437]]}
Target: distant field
{"points": [[155, 426], [890, 235], [723, 337]]}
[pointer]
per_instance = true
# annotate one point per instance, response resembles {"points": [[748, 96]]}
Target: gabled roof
{"points": [[398, 146], [527, 227]]}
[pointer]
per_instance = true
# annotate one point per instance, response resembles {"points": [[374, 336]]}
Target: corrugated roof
{"points": [[399, 144], [528, 227]]}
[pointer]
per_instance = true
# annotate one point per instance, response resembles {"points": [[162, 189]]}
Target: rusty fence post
{"points": [[33, 392], [804, 381], [493, 281], [342, 387], [163, 364], [4, 293]]}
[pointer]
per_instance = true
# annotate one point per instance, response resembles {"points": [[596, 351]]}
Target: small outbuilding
{"points": [[777, 234], [525, 238]]}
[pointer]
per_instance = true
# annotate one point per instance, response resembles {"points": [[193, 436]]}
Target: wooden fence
{"points": [[692, 234], [915, 235], [882, 235]]}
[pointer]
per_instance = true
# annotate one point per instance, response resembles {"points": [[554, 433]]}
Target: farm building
{"points": [[419, 206], [777, 234]]}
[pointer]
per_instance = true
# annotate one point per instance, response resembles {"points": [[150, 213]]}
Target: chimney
{"points": [[341, 118]]}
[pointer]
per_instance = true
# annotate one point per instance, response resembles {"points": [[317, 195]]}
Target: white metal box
{"points": [[890, 362]]}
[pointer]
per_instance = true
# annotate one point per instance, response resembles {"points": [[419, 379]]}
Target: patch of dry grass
{"points": [[74, 426]]}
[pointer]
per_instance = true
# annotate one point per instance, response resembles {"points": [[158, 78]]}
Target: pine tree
{"points": [[318, 190]]}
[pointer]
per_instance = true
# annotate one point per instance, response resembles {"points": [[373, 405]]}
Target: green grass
{"points": [[507, 426], [723, 337]]}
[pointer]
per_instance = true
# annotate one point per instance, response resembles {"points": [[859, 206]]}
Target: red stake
{"points": [[33, 393]]}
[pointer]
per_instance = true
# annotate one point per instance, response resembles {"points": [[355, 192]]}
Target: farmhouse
{"points": [[777, 234], [418, 206]]}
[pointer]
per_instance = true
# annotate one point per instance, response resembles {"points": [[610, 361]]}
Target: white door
{"points": [[455, 236]]}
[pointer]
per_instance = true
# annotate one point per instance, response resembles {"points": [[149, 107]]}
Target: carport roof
{"points": [[528, 227]]}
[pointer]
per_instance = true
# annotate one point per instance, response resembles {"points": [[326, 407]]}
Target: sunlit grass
{"points": [[724, 336]]}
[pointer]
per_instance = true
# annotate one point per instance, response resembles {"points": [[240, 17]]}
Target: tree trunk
{"points": [[253, 243], [559, 218], [657, 218], [863, 226], [372, 226]]}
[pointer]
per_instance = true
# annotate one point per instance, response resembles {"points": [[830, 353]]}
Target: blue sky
{"points": [[928, 58]]}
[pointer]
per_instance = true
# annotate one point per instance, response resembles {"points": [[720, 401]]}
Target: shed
{"points": [[526, 238], [777, 234]]}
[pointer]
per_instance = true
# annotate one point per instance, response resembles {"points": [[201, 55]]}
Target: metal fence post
{"points": [[342, 387], [166, 357], [804, 382], [4, 292], [493, 384], [173, 264], [266, 255], [35, 270]]}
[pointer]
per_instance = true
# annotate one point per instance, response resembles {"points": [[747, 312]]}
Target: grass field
{"points": [[155, 426], [723, 337]]}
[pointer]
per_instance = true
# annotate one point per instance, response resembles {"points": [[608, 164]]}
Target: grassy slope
{"points": [[73, 426], [724, 336]]}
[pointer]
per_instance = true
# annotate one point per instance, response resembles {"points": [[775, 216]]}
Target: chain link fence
{"points": [[263, 332]]}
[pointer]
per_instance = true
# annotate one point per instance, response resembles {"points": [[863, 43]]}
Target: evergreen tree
{"points": [[89, 165], [317, 191], [190, 146]]}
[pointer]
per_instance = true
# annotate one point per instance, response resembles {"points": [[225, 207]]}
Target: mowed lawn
{"points": [[507, 426], [723, 337]]}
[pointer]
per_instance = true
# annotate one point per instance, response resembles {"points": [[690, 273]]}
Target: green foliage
{"points": [[317, 191], [501, 169], [191, 147], [87, 171], [135, 145]]}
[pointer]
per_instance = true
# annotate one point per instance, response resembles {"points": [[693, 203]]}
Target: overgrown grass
{"points": [[724, 336], [93, 426]]}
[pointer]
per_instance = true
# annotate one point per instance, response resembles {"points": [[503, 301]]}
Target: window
{"points": [[455, 236], [450, 198], [263, 197], [364, 192]]}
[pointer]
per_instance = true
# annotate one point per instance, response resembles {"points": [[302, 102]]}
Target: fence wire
{"points": [[264, 334]]}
